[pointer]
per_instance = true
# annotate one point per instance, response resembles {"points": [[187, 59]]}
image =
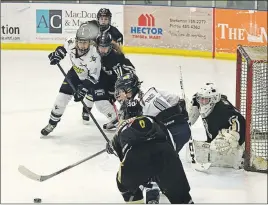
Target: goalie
{"points": [[225, 128]]}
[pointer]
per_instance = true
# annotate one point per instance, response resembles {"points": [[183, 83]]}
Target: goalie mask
{"points": [[82, 39], [207, 98], [127, 87]]}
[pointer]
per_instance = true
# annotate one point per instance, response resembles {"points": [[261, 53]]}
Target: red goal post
{"points": [[252, 102]]}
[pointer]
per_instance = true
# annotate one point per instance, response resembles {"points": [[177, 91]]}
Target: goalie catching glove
{"points": [[225, 141]]}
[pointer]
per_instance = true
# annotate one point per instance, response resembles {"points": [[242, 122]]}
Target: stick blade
{"points": [[201, 167], [29, 174]]}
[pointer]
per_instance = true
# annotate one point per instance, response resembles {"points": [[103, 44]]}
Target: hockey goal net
{"points": [[252, 101]]}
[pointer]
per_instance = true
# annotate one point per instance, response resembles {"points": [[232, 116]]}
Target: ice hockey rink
{"points": [[29, 86]]}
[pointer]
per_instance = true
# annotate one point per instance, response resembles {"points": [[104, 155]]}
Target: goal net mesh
{"points": [[252, 101]]}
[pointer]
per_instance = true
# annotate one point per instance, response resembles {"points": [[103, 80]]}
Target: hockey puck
{"points": [[37, 200]]}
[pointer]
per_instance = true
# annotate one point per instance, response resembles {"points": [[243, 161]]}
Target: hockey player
{"points": [[104, 19], [225, 127], [146, 151], [84, 74], [114, 65], [167, 108]]}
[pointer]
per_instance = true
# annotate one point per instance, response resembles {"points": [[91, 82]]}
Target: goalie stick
{"points": [[31, 175], [195, 164]]}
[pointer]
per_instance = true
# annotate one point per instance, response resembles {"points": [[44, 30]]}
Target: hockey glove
{"points": [[225, 141], [56, 56], [80, 93], [109, 148]]}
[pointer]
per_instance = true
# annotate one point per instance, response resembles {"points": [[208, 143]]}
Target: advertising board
{"points": [[245, 27], [168, 27]]}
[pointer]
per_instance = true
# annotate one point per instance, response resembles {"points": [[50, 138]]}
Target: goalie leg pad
{"points": [[202, 151], [232, 160], [225, 141]]}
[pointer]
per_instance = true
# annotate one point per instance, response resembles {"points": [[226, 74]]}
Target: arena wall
{"points": [[161, 30]]}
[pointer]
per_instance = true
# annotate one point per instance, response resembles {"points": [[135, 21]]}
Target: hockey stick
{"points": [[31, 175], [196, 165], [84, 104]]}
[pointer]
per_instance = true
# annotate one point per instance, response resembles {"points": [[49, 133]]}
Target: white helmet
{"points": [[207, 98]]}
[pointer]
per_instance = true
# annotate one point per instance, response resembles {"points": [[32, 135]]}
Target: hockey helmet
{"points": [[127, 87], [104, 17], [83, 38], [104, 43], [131, 109], [207, 98]]}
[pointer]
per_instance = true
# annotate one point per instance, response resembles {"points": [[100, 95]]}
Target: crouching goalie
{"points": [[225, 128]]}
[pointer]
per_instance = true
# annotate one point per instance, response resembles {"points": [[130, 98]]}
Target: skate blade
{"points": [[85, 122], [110, 130]]}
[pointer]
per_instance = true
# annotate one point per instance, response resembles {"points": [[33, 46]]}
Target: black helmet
{"points": [[127, 83], [104, 41], [132, 108], [105, 13]]}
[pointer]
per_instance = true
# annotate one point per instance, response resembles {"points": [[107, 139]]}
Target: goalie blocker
{"points": [[225, 128]]}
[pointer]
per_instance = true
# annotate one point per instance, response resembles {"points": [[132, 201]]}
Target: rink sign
{"points": [[146, 28], [168, 27]]}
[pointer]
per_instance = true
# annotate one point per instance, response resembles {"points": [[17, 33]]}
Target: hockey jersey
{"points": [[155, 101], [136, 131], [116, 64], [87, 66], [117, 36], [223, 116], [167, 108]]}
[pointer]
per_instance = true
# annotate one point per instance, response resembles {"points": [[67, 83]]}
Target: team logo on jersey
{"points": [[83, 65], [78, 70], [142, 123], [93, 58]]}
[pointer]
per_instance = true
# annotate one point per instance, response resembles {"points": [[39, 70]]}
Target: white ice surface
{"points": [[29, 86]]}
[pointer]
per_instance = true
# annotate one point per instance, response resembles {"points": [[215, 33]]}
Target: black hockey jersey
{"points": [[117, 36], [223, 116], [136, 131], [116, 64]]}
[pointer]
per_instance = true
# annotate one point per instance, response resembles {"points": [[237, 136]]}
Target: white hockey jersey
{"points": [[154, 101], [87, 66]]}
